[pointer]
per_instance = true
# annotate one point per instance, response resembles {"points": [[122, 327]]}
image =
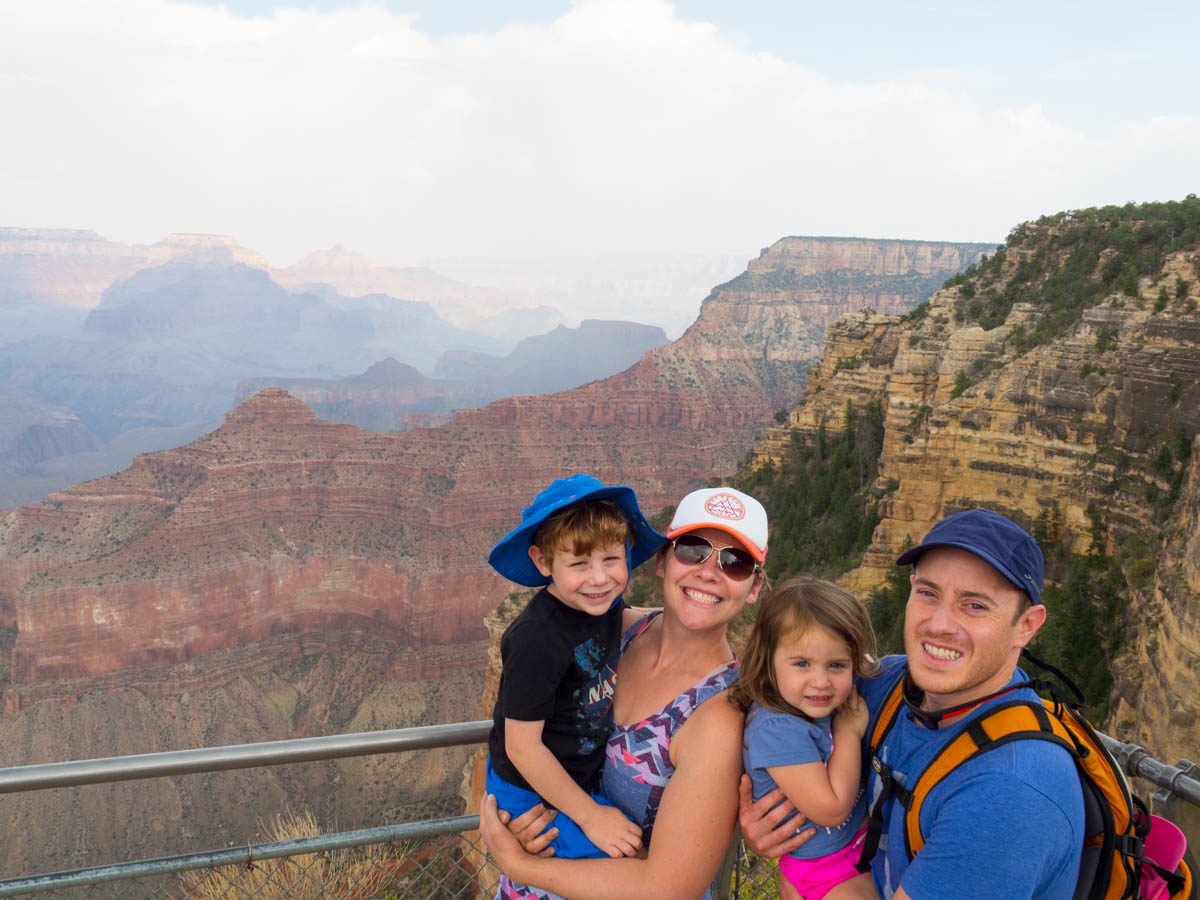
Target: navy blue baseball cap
{"points": [[1002, 543], [510, 557]]}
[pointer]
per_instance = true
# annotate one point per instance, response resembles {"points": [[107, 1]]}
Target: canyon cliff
{"points": [[285, 576], [1057, 382]]}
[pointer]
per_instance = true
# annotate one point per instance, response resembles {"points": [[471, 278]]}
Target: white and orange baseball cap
{"points": [[727, 509]]}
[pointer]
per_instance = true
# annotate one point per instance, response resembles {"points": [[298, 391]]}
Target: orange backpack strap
{"points": [[887, 785], [1013, 720]]}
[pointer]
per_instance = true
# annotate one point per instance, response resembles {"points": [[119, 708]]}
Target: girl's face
{"points": [[701, 595], [814, 670]]}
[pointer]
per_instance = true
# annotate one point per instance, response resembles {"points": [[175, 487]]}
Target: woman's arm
{"points": [[694, 824]]}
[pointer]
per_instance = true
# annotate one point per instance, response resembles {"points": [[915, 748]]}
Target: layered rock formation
{"points": [[385, 396], [385, 392], [823, 278], [1090, 425], [203, 586], [65, 267]]}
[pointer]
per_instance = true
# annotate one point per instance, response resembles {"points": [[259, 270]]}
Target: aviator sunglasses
{"points": [[692, 550]]}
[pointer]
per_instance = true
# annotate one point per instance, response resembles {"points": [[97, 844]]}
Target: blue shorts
{"points": [[571, 842]]}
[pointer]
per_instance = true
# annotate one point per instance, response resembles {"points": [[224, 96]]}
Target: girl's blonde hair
{"points": [[795, 606]]}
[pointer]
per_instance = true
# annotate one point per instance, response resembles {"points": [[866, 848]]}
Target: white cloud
{"points": [[617, 127]]}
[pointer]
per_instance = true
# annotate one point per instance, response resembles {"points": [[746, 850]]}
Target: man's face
{"points": [[959, 631]]}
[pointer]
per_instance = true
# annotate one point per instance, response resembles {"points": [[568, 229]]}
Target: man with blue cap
{"points": [[579, 540], [1007, 823]]}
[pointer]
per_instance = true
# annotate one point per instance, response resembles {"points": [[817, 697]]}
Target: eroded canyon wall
{"points": [[1094, 425]]}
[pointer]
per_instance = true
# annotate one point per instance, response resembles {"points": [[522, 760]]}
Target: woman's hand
{"points": [[761, 822]]}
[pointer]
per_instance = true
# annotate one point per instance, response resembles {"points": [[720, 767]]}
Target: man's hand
{"points": [[761, 822], [530, 828], [609, 829]]}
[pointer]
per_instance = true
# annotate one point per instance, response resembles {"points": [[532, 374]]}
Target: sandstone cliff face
{"points": [[828, 277], [1081, 422]]}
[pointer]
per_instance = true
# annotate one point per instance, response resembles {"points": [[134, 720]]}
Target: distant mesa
{"points": [[392, 396]]}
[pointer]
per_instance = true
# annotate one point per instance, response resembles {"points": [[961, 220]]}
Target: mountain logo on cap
{"points": [[725, 506]]}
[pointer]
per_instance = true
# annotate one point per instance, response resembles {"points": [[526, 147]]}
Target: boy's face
{"points": [[589, 583]]}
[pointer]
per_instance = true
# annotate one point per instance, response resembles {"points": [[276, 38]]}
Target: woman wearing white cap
{"points": [[674, 759]]}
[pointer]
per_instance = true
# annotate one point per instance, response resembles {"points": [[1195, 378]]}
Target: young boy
{"points": [[553, 715]]}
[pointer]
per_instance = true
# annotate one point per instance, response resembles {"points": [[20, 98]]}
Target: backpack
{"points": [[1116, 822]]}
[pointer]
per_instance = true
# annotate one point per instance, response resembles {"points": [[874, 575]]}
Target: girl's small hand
{"points": [[852, 716]]}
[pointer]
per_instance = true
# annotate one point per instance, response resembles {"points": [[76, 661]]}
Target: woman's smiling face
{"points": [[701, 595]]}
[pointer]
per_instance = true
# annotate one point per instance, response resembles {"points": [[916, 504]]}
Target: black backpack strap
{"points": [[889, 788], [1077, 699]]}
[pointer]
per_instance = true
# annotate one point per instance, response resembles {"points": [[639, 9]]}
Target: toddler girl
{"points": [[805, 722]]}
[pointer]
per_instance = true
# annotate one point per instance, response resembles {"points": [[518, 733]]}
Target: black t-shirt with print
{"points": [[558, 668]]}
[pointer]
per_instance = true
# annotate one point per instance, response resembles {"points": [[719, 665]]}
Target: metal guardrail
{"points": [[418, 867], [246, 856], [238, 756], [1179, 780]]}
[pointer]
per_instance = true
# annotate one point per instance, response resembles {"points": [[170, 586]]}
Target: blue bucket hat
{"points": [[1006, 546], [510, 557]]}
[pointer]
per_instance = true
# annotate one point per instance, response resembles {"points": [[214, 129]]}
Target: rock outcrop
{"points": [[827, 277], [1087, 426]]}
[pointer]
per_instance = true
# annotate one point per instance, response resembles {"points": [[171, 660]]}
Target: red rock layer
{"points": [[279, 522]]}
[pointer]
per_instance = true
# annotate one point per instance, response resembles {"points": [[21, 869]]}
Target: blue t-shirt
{"points": [[1008, 823], [780, 739]]}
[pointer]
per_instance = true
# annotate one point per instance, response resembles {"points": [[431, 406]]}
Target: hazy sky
{"points": [[410, 129]]}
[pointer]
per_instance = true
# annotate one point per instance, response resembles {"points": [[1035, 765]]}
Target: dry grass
{"points": [[342, 874]]}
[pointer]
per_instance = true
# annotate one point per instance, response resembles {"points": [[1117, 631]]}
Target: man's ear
{"points": [[1027, 626], [539, 560]]}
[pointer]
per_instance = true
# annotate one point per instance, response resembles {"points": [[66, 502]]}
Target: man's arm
{"points": [[761, 821], [606, 826]]}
